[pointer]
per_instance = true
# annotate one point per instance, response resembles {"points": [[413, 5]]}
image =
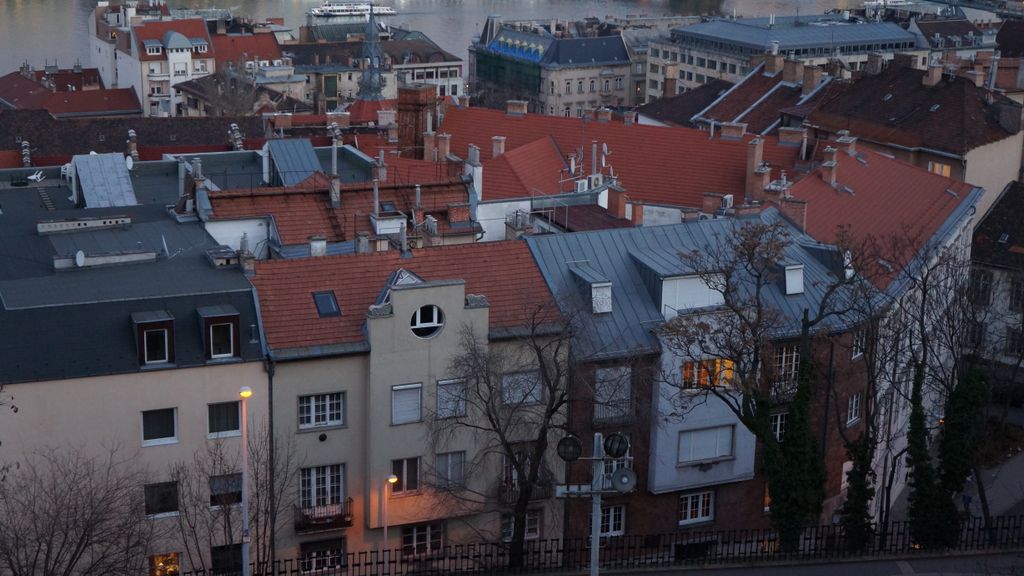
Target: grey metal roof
{"points": [[294, 159], [587, 51], [104, 180], [176, 41], [625, 255], [792, 34]]}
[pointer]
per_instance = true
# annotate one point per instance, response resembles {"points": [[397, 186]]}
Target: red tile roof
{"points": [[657, 165], [155, 30], [881, 198], [24, 93], [365, 111], [241, 48], [585, 217], [534, 169], [504, 272], [86, 77], [743, 95], [10, 159]]}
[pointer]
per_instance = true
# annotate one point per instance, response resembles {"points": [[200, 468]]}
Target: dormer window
{"points": [[154, 337], [153, 50], [220, 331], [201, 48]]}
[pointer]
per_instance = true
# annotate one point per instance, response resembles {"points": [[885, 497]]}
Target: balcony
{"points": [[613, 413], [323, 518], [508, 492], [158, 75]]}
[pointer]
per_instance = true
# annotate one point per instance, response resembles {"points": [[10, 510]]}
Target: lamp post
{"points": [[244, 394], [392, 479]]}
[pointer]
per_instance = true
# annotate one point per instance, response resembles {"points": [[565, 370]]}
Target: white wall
{"points": [[491, 216], [229, 233], [685, 293]]}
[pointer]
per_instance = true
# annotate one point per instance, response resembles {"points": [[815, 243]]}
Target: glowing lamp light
{"points": [[245, 392]]}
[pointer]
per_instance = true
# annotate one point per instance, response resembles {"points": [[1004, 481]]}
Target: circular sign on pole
{"points": [[623, 480], [616, 445], [569, 448]]}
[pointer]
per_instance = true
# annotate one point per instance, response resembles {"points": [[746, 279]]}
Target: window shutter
{"points": [[405, 404]]}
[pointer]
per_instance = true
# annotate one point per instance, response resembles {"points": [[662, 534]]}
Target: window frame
{"points": [[705, 501], [434, 327], [313, 478], [611, 516], [460, 402], [1015, 302], [321, 556], [163, 440], [706, 374], [327, 297], [235, 496], [321, 399], [158, 568], [777, 424], [718, 457], [433, 538], [145, 346], [533, 525], [615, 404], [859, 344], [418, 386], [530, 397], [155, 497], [400, 468], [231, 340], [853, 409], [447, 479], [210, 433]]}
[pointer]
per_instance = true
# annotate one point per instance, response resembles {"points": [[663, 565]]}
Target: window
{"points": [[180, 69], [607, 85], [697, 507], [552, 87], [226, 489], [981, 287], [155, 346], [939, 168], [161, 498], [408, 472], [613, 520], [859, 344], [322, 555], [579, 87], [153, 50], [612, 394], [224, 419], [319, 410], [221, 337], [421, 539], [226, 559], [787, 364], [326, 304], [427, 321], [521, 388], [1014, 342], [568, 87], [532, 525], [654, 68], [159, 427], [202, 48], [165, 564], [853, 409], [1016, 294], [618, 83], [449, 470], [592, 86], [322, 486], [975, 334], [708, 444], [405, 403], [707, 373], [778, 425], [451, 398]]}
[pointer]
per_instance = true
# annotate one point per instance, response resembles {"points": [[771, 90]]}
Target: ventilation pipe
{"points": [[26, 154], [419, 196], [593, 156], [133, 145], [376, 197]]}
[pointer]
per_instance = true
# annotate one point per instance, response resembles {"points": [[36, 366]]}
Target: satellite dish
{"points": [[604, 161], [79, 258], [92, 152], [572, 165], [624, 480], [604, 148], [129, 162]]}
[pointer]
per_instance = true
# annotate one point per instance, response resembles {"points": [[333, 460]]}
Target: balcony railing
{"points": [[323, 518], [508, 492], [613, 413]]}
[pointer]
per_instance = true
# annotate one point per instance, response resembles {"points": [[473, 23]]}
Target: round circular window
{"points": [[427, 321]]}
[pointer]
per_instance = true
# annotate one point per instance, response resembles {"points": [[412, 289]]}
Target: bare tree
{"points": [[512, 403], [65, 513]]}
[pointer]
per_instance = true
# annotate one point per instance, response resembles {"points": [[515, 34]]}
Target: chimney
{"points": [[711, 203], [516, 107], [977, 77], [629, 117], [933, 75], [812, 78], [428, 146], [317, 246], [403, 239], [638, 213], [593, 156], [903, 60], [993, 70], [773, 62], [828, 167], [474, 154], [381, 167], [795, 210], [617, 200], [792, 71], [464, 101], [362, 242], [497, 146], [376, 197], [846, 143], [197, 169], [791, 136], [335, 191], [758, 172], [444, 142], [604, 114], [671, 85], [875, 63], [181, 177], [733, 130], [133, 145]]}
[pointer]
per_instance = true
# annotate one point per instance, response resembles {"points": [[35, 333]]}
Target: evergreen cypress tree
{"points": [[860, 490]]}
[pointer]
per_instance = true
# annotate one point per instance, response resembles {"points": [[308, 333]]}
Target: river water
{"points": [[37, 31]]}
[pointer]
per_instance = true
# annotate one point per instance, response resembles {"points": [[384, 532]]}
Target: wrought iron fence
{"points": [[625, 552]]}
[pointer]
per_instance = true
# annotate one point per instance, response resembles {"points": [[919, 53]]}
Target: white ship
{"points": [[334, 8], [888, 3]]}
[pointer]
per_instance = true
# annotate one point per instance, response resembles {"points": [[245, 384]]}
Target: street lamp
{"points": [[392, 479], [244, 393]]}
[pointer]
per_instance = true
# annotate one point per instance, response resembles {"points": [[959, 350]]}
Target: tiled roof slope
{"points": [[192, 28], [1004, 218], [533, 169], [23, 93], [677, 110], [945, 28], [504, 272], [659, 165], [896, 108], [244, 47], [585, 217]]}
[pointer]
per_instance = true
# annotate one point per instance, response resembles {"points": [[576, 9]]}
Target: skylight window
{"points": [[934, 107], [887, 97], [326, 304]]}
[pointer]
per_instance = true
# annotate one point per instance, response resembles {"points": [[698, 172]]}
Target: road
{"points": [[986, 565]]}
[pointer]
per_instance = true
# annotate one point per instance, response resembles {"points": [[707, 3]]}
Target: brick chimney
{"points": [[638, 213], [617, 200], [670, 87], [629, 117], [933, 75], [428, 146], [711, 203], [497, 146], [846, 143], [516, 107], [604, 114], [828, 167], [733, 130], [812, 77], [773, 64], [758, 174], [874, 65], [795, 210], [977, 77], [444, 146], [904, 60], [792, 71], [791, 136], [317, 246]]}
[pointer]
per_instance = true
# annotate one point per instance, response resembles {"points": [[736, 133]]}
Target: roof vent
{"points": [[222, 256], [934, 107]]}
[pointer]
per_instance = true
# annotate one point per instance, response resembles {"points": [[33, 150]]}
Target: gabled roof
{"points": [[894, 107], [999, 237], [161, 31], [534, 169], [659, 165], [947, 29], [503, 272], [365, 111], [569, 52], [400, 52], [241, 48], [677, 110], [19, 92]]}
